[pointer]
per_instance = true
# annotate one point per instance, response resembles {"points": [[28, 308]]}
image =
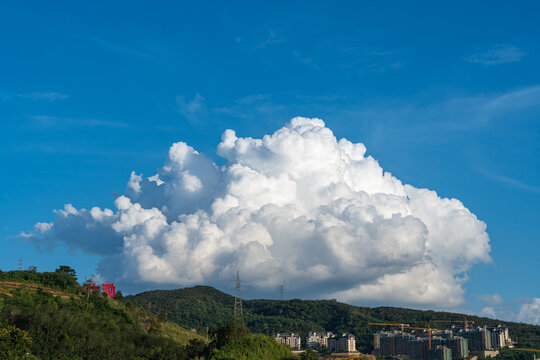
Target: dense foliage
{"points": [[253, 347], [234, 342], [49, 316], [71, 328], [203, 306], [63, 278], [14, 343], [507, 354], [59, 322], [197, 307]]}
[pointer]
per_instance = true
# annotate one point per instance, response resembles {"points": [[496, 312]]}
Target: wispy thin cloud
{"points": [[385, 118], [255, 106], [46, 121], [120, 48], [319, 98], [469, 113], [348, 49], [381, 53], [514, 183], [382, 68], [529, 96], [306, 60], [362, 60], [80, 149], [251, 99], [272, 38], [480, 111], [191, 109], [48, 96], [497, 54], [25, 235], [365, 51]]}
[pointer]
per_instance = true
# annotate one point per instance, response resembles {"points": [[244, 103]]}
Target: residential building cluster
{"points": [[329, 340], [318, 339], [292, 340], [454, 343], [483, 340], [342, 343], [451, 344]]}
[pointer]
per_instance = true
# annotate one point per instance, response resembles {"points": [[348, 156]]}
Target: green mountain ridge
{"points": [[200, 307]]}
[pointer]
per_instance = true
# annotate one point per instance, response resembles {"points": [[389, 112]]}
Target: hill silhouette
{"points": [[200, 307]]}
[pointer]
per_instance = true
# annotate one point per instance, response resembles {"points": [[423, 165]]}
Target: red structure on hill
{"points": [[108, 289]]}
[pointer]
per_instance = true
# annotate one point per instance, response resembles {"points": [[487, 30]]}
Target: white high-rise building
{"points": [[499, 337], [316, 339], [342, 343], [292, 340]]}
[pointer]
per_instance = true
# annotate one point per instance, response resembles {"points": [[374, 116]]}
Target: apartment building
{"points": [[342, 343], [318, 339], [292, 340]]}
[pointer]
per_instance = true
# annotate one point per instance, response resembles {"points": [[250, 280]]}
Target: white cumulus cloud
{"points": [[530, 312], [296, 207], [488, 311]]}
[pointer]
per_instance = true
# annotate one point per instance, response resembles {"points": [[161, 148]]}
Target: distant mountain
{"points": [[200, 307]]}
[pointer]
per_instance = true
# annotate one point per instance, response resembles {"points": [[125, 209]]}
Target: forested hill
{"points": [[203, 306], [49, 316]]}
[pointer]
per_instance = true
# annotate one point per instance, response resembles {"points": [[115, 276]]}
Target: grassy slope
{"points": [[144, 318], [202, 306], [67, 325], [152, 323]]}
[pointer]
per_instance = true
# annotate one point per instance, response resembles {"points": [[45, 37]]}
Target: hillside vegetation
{"points": [[45, 315], [203, 306], [49, 316]]}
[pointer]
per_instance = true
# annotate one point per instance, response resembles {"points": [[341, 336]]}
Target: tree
{"points": [[252, 347], [90, 287], [14, 342], [67, 270], [63, 276], [196, 348], [309, 354]]}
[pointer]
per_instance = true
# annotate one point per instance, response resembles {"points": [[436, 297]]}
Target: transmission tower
{"points": [[20, 264], [238, 314], [281, 291]]}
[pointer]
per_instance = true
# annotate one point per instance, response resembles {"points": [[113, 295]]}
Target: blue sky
{"points": [[444, 96]]}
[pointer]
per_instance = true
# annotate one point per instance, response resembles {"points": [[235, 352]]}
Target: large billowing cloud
{"points": [[297, 207]]}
